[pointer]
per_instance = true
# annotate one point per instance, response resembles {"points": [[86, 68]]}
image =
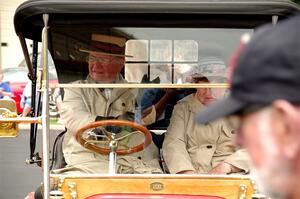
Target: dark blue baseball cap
{"points": [[267, 69]]}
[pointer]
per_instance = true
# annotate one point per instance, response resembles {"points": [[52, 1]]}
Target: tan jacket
{"points": [[189, 146], [83, 105]]}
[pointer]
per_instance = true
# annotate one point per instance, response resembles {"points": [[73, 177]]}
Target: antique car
{"points": [[167, 42]]}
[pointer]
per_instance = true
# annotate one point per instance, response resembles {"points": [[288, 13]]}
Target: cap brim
{"points": [[225, 107]]}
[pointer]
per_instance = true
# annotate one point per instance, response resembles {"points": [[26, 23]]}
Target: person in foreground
{"points": [[265, 97], [189, 148], [84, 105]]}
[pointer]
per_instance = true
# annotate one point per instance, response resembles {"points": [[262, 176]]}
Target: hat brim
{"points": [[225, 107], [103, 53]]}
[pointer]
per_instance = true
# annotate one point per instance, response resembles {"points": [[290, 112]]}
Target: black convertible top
{"points": [[205, 13]]}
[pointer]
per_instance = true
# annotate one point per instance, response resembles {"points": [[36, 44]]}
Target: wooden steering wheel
{"points": [[105, 151]]}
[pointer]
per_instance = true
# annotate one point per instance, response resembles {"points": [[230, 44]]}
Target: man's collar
{"points": [[119, 79]]}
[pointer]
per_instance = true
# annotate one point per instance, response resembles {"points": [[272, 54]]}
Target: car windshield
{"points": [[152, 55], [169, 55]]}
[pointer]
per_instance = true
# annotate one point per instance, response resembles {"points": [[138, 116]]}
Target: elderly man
{"points": [[84, 105], [265, 97], [190, 148]]}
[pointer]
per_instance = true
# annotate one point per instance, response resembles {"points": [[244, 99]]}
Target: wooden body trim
{"points": [[221, 186]]}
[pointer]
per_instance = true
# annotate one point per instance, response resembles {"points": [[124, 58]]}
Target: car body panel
{"points": [[159, 186]]}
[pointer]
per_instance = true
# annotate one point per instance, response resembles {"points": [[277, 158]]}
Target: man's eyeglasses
{"points": [[112, 59]]}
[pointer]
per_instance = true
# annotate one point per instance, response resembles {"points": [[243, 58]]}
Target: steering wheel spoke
{"points": [[95, 142], [127, 135]]}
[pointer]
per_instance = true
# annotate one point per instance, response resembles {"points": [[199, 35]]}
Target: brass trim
{"points": [[243, 191], [156, 186], [73, 190], [30, 120], [8, 112], [60, 183]]}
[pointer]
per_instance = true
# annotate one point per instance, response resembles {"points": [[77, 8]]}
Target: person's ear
{"points": [[287, 120]]}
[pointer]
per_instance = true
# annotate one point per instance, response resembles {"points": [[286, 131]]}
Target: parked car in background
{"points": [[17, 79], [52, 71], [54, 112]]}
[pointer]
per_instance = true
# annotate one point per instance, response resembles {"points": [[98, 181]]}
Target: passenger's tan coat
{"points": [[83, 105], [189, 146]]}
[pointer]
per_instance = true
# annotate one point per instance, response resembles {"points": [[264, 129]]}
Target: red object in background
{"points": [[151, 196], [17, 94], [30, 196]]}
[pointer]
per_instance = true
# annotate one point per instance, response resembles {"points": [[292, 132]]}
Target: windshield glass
{"points": [[131, 57], [165, 55]]}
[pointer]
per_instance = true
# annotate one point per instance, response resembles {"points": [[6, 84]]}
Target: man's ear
{"points": [[288, 131]]}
